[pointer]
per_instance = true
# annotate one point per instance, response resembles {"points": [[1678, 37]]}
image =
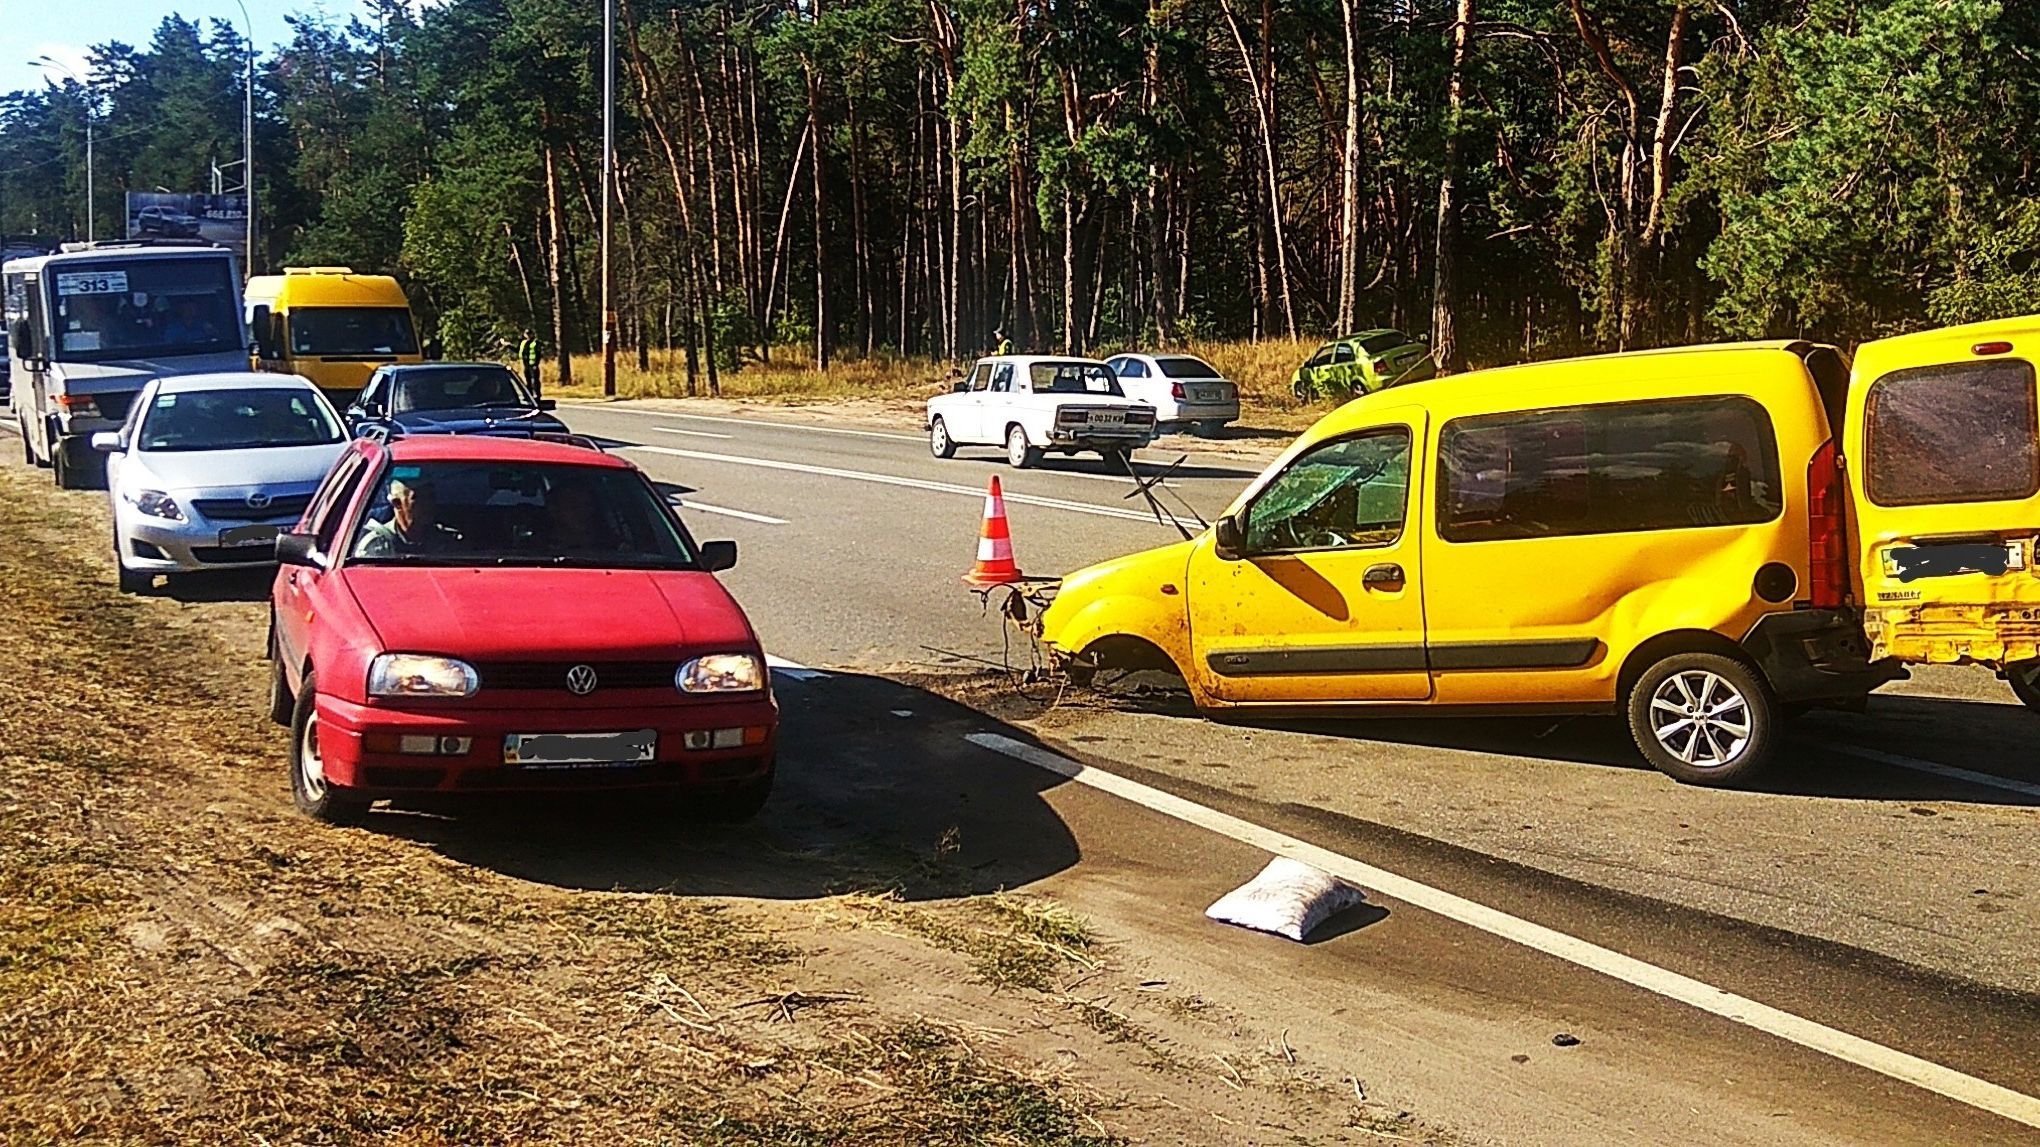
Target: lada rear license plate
{"points": [[1108, 418], [249, 536], [580, 750]]}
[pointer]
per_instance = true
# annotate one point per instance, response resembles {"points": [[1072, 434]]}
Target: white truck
{"points": [[89, 326], [1039, 404]]}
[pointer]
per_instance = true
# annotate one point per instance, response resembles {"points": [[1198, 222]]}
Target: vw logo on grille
{"points": [[258, 500], [581, 680]]}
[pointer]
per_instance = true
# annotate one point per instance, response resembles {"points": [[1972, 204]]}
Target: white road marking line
{"points": [[693, 433], [1967, 776], [792, 669], [704, 507], [1946, 1081], [767, 422], [895, 480]]}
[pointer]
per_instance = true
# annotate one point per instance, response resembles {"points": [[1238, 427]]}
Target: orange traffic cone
{"points": [[995, 565]]}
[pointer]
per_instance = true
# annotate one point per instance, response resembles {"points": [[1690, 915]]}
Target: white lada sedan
{"points": [[209, 468], [1038, 404]]}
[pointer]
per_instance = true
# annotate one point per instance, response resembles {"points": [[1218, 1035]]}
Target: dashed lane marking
{"points": [[792, 670], [693, 433], [765, 422], [1931, 1076], [725, 511], [896, 480]]}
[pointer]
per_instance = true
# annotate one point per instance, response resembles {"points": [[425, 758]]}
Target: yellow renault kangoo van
{"points": [[1659, 534], [1944, 431]]}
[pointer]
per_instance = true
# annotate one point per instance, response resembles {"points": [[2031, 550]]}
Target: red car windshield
{"points": [[518, 514]]}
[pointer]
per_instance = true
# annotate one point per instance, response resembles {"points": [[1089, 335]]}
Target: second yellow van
{"points": [[330, 325], [1944, 426], [1659, 534]]}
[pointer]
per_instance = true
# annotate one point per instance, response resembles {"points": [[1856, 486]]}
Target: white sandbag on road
{"points": [[1288, 898]]}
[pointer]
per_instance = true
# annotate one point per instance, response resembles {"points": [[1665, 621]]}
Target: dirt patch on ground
{"points": [[184, 959]]}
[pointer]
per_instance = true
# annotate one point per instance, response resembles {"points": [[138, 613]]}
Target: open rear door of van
{"points": [[1943, 452]]}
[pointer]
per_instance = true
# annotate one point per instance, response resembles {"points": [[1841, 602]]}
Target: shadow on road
{"points": [[1060, 465], [1812, 760], [1242, 434], [865, 800]]}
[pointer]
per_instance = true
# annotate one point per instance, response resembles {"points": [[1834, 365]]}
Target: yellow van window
{"points": [[1616, 468], [1960, 432], [1346, 493]]}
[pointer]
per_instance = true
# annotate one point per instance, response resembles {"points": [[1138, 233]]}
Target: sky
{"points": [[64, 29]]}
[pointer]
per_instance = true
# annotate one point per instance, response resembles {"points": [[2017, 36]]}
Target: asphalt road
{"points": [[854, 538], [1846, 955], [1885, 885]]}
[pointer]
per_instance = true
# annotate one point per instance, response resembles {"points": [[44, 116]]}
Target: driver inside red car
{"points": [[414, 526]]}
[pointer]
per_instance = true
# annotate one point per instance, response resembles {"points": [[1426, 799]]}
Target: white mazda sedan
{"points": [[208, 468]]}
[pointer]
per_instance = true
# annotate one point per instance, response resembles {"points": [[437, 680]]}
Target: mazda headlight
{"points": [[156, 504], [417, 675], [721, 673]]}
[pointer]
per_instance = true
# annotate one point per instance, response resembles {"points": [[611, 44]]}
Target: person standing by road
{"points": [[1000, 341], [528, 357]]}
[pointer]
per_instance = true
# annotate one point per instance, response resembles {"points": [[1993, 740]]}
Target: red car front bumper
{"points": [[355, 743]]}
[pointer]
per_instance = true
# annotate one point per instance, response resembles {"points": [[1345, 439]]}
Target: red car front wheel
{"points": [[309, 789]]}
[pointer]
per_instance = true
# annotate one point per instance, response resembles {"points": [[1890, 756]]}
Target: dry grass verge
{"points": [[185, 960]]}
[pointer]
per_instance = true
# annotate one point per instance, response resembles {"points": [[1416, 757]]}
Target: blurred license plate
{"points": [[580, 750], [1995, 558], [1204, 394], [249, 536], [1108, 418]]}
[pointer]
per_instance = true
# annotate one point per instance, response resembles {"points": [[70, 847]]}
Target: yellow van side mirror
{"points": [[1229, 540]]}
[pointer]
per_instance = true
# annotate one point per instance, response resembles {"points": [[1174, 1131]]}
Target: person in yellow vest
{"points": [[528, 357], [999, 339]]}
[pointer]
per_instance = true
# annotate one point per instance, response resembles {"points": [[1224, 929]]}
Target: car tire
{"points": [[1729, 745], [940, 444], [2024, 678], [132, 581], [740, 804], [310, 791], [1119, 462], [282, 706], [1301, 388], [1020, 455]]}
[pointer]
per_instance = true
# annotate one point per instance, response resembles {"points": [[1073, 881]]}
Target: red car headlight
{"points": [[721, 673], [421, 675]]}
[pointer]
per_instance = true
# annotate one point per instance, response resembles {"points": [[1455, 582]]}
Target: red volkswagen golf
{"points": [[463, 614]]}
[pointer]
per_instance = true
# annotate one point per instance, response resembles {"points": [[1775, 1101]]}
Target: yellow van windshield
{"points": [[373, 331]]}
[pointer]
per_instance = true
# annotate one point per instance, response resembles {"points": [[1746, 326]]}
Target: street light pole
{"points": [[608, 191], [91, 232], [248, 143], [91, 203]]}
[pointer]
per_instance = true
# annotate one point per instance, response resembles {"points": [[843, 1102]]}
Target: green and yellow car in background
{"points": [[1361, 364]]}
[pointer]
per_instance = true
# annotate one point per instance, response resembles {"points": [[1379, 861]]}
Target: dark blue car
{"points": [[450, 398]]}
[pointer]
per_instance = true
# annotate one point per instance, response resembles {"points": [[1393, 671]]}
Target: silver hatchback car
{"points": [[208, 468]]}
